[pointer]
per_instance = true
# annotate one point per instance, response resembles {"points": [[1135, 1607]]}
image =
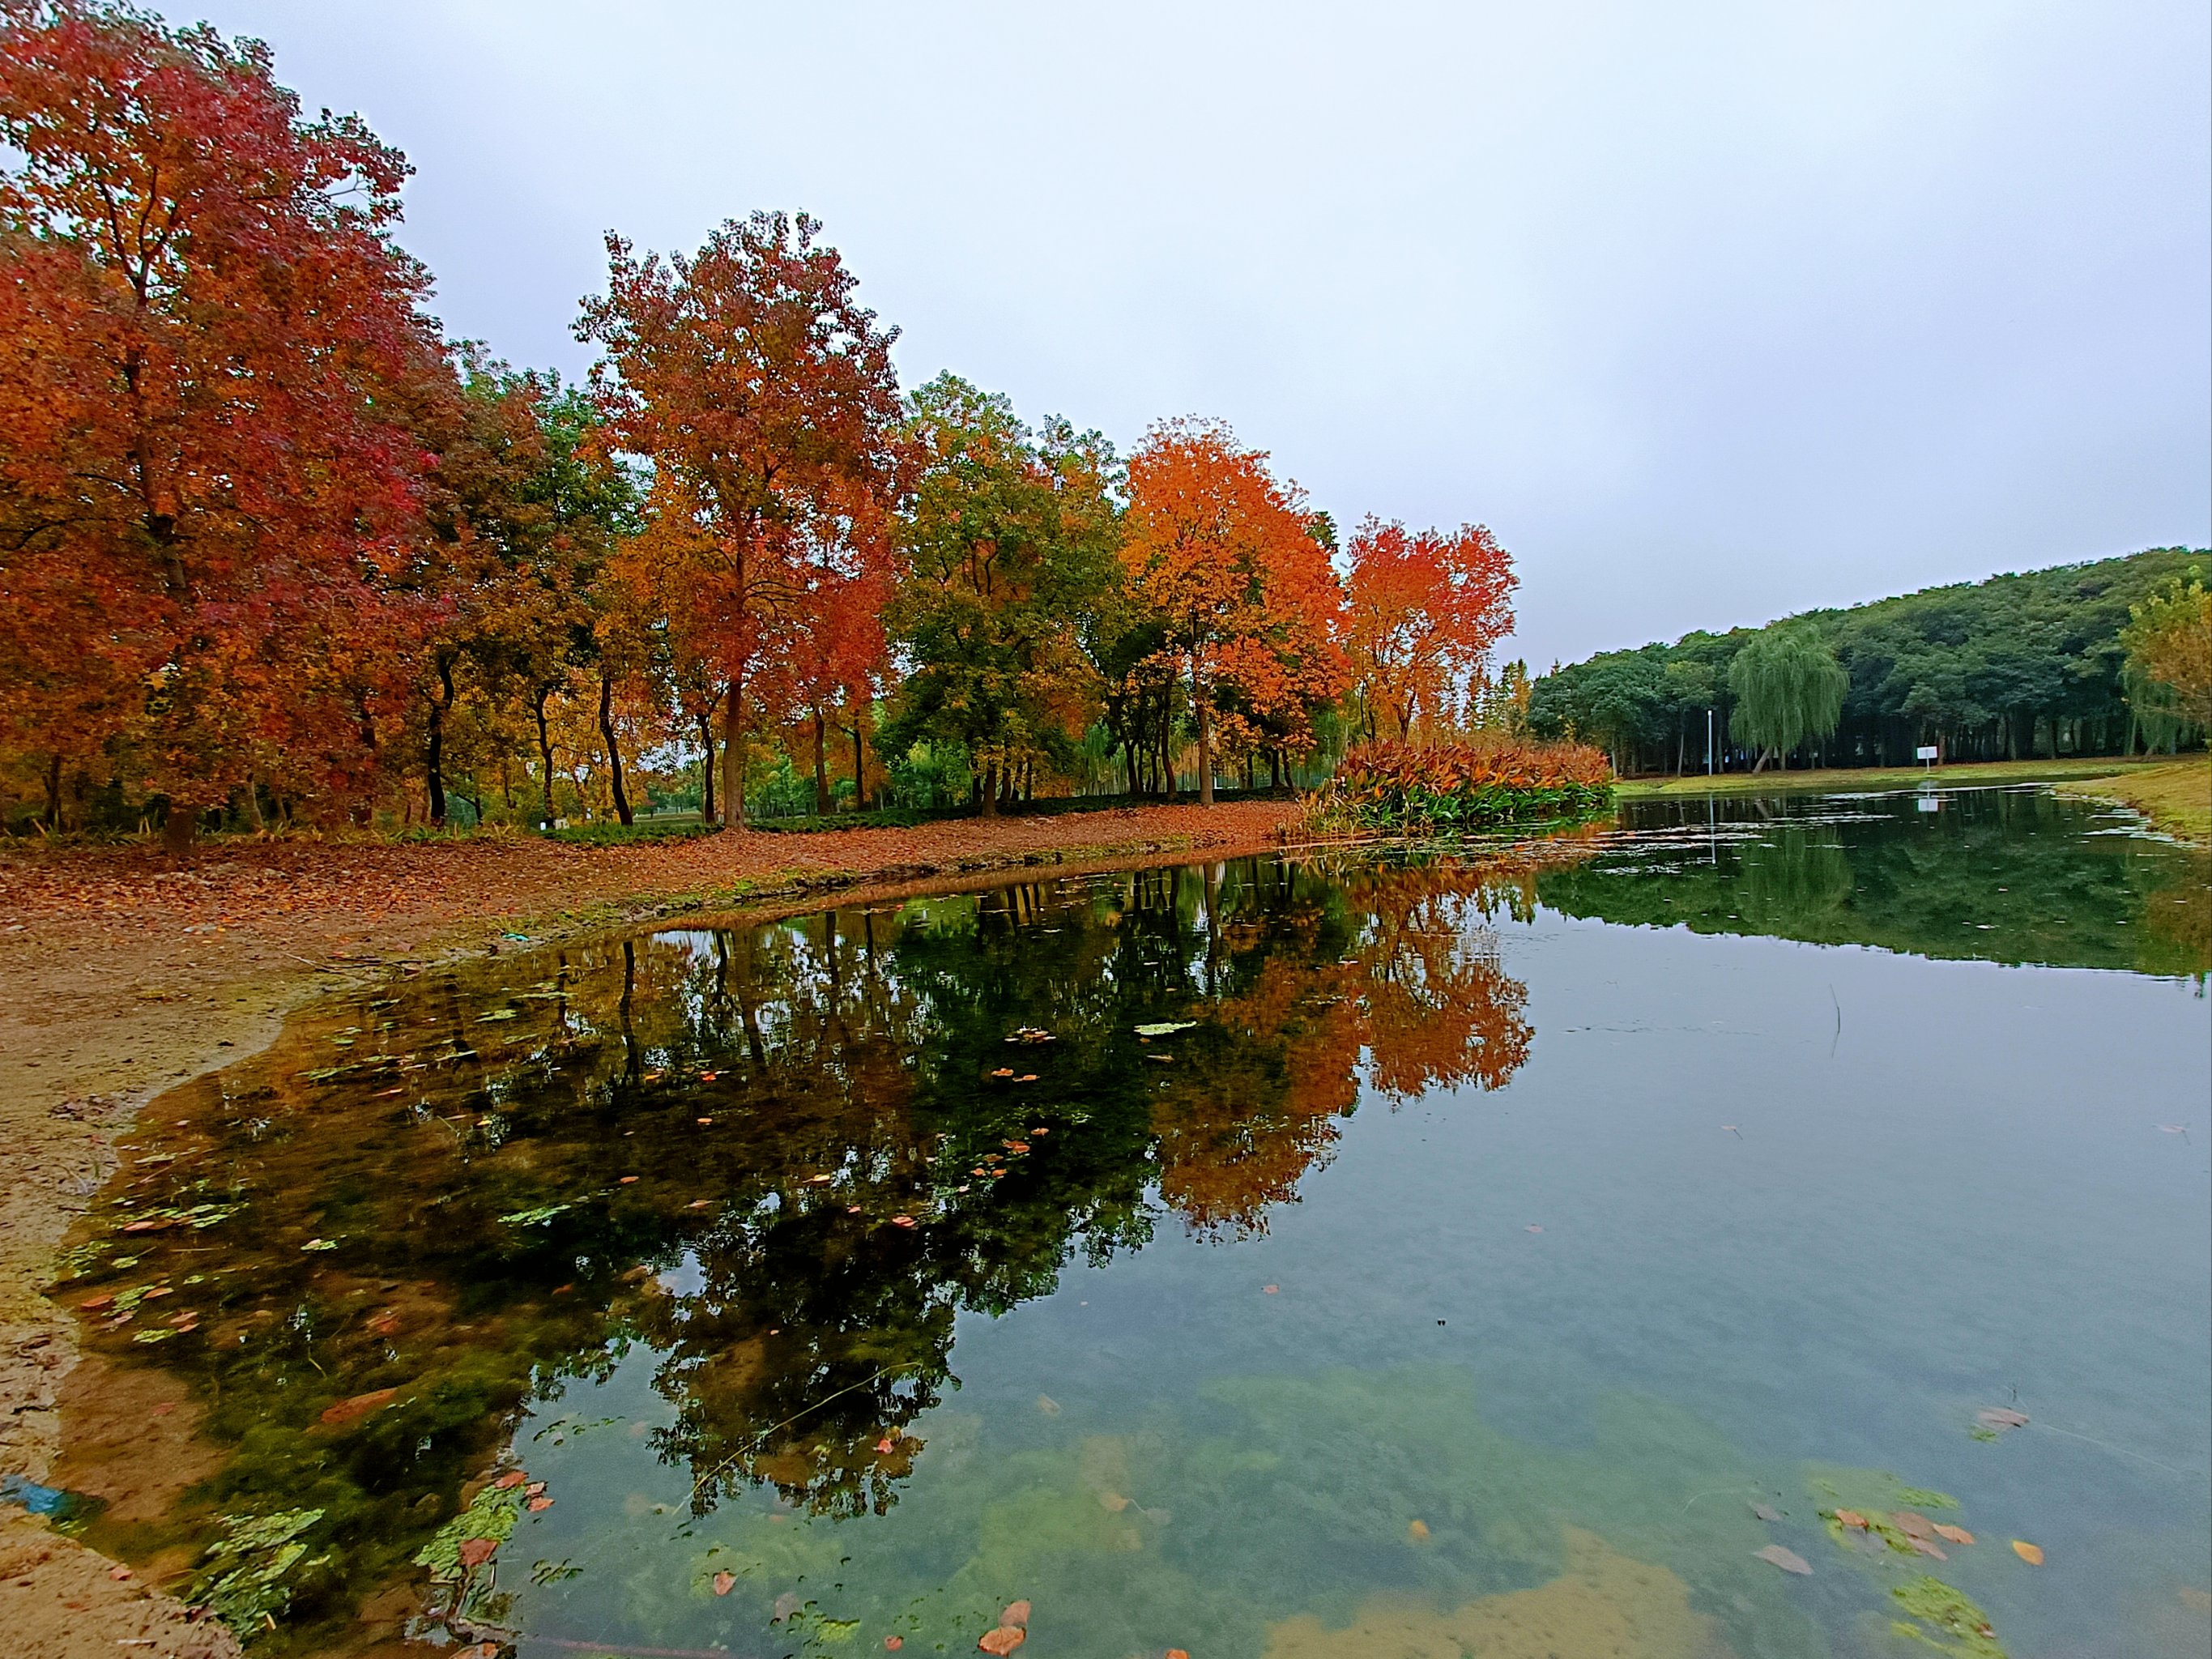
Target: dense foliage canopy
{"points": [[272, 549], [2034, 663]]}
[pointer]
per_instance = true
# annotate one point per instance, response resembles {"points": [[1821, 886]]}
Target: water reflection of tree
{"points": [[785, 1123]]}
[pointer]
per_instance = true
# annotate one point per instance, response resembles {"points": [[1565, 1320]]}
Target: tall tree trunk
{"points": [[433, 755], [1204, 733], [544, 747], [820, 765], [53, 819], [614, 746], [706, 766], [859, 768], [178, 825], [990, 789], [734, 755]]}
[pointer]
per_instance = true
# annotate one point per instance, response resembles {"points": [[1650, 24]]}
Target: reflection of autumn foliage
{"points": [[1405, 971]]}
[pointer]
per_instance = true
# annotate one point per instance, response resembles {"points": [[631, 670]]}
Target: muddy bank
{"points": [[129, 972]]}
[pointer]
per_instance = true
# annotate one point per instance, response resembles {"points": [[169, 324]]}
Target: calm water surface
{"points": [[1482, 1246]]}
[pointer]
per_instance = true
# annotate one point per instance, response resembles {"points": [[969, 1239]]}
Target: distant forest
{"points": [[2013, 667]]}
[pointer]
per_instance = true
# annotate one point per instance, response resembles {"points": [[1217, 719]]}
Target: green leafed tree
{"points": [[1788, 688], [1009, 547]]}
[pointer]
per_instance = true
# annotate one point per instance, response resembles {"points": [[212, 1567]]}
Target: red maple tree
{"points": [[763, 392], [1425, 611], [1226, 556], [207, 344]]}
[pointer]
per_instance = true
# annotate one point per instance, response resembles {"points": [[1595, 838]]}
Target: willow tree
{"points": [[1788, 687]]}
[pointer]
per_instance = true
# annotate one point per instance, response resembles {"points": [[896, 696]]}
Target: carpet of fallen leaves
{"points": [[126, 971]]}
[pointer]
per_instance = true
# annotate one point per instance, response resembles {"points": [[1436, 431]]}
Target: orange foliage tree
{"points": [[207, 344], [1424, 611], [1228, 560], [763, 395]]}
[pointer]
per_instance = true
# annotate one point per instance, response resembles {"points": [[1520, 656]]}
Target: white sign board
{"points": [[1926, 752]]}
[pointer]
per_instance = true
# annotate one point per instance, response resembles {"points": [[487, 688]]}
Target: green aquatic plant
{"points": [[1932, 1604], [244, 1581]]}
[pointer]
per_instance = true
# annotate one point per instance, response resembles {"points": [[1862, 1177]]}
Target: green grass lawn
{"points": [[1900, 777], [2175, 795]]}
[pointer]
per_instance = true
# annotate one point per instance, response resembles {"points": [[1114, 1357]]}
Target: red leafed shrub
{"points": [[1481, 785]]}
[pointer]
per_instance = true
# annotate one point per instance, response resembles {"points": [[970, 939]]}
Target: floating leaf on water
{"points": [[1418, 1531], [1270, 1290], [725, 1582], [1955, 1535], [786, 1605], [311, 1244], [511, 1479], [1004, 1072], [2001, 1418], [1016, 1614], [1930, 1549], [1788, 1560], [2031, 1553], [1913, 1525], [1003, 1640], [360, 1406], [893, 1643], [475, 1552], [540, 1503], [1533, 1228], [1112, 1502], [1164, 1028], [1765, 1512], [1048, 1405]]}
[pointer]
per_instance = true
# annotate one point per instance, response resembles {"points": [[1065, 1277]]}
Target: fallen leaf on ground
{"points": [[1956, 1534], [384, 1324], [1788, 1560], [360, 1406], [2031, 1553], [725, 1582], [1017, 1612], [475, 1552], [1003, 1640]]}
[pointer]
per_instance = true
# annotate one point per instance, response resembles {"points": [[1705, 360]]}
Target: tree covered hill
{"points": [[2019, 664]]}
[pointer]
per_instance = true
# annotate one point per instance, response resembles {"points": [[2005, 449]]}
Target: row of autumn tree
{"points": [[2110, 657], [268, 542]]}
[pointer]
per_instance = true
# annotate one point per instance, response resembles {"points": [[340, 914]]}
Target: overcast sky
{"points": [[1712, 311]]}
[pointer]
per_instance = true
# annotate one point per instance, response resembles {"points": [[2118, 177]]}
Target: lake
{"points": [[1416, 1255]]}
